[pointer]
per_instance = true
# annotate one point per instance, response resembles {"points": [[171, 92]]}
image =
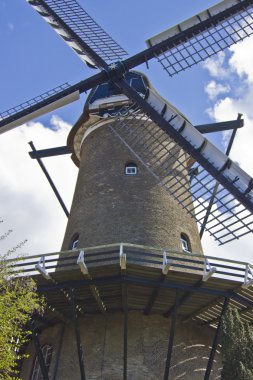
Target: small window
{"points": [[185, 243], [138, 85], [74, 242], [131, 169], [47, 351]]}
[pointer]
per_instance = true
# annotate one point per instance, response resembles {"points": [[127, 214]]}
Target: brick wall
{"points": [[110, 207], [102, 342]]}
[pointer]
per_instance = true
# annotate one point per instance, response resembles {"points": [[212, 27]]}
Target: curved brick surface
{"points": [[110, 207], [102, 341]]}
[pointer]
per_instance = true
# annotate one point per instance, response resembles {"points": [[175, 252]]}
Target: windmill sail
{"points": [[204, 35], [38, 106], [92, 44], [190, 183], [163, 140]]}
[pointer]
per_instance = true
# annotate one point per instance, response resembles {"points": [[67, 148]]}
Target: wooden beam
{"points": [[216, 301]]}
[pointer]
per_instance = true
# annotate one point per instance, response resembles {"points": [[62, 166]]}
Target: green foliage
{"points": [[237, 347], [18, 301]]}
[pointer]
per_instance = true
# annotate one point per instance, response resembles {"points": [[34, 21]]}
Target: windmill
{"points": [[196, 176]]}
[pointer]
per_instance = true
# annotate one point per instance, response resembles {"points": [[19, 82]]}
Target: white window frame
{"points": [[74, 241], [185, 244], [74, 244], [130, 169]]}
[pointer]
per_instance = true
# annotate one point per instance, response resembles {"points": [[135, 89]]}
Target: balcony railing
{"points": [[138, 255]]}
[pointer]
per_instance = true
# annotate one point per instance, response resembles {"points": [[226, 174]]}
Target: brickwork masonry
{"points": [[102, 341], [111, 207]]}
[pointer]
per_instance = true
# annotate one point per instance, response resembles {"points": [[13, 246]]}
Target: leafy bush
{"points": [[237, 347], [18, 301]]}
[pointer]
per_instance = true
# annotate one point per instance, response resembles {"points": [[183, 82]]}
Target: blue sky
{"points": [[34, 59]]}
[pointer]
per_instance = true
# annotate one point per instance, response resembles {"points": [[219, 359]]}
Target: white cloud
{"points": [[59, 124], [242, 58], [213, 89], [226, 109], [28, 205], [215, 66], [240, 100], [240, 250]]}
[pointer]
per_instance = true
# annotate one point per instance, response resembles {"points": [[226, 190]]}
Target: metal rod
{"points": [[237, 229], [39, 352], [171, 339], [230, 217], [233, 222], [50, 181], [229, 147], [208, 210], [50, 152], [210, 205], [125, 309], [78, 338], [216, 341], [221, 126]]}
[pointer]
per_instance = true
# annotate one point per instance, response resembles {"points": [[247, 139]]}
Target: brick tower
{"points": [[131, 295], [122, 221], [116, 198]]}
